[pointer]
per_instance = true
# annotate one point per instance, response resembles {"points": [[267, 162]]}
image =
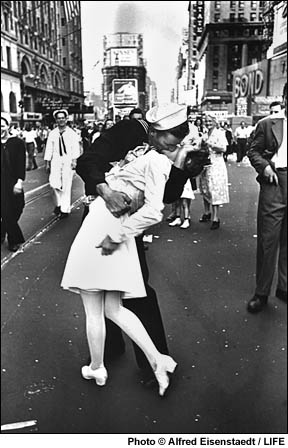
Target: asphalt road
{"points": [[231, 375]]}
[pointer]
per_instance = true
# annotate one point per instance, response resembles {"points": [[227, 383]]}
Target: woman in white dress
{"points": [[103, 264], [214, 178]]}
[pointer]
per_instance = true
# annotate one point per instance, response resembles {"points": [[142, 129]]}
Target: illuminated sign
{"points": [[125, 91], [251, 80], [123, 56]]}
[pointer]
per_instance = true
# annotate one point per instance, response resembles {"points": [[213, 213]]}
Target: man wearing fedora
{"points": [[268, 155], [61, 153], [166, 126], [13, 162]]}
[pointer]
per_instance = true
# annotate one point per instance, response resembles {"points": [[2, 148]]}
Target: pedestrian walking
{"points": [[13, 162], [125, 136], [103, 264], [268, 155], [182, 207], [214, 179], [61, 153], [229, 138], [241, 136], [29, 135]]}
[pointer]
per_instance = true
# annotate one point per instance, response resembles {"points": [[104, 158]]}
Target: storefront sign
{"points": [[242, 106], [33, 116]]}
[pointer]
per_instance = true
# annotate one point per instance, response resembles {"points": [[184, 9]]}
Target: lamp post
{"points": [[21, 105]]}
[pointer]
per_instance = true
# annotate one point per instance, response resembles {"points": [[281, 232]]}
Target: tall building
{"points": [[195, 28], [124, 73], [275, 19], [232, 37], [182, 71], [41, 59], [257, 85]]}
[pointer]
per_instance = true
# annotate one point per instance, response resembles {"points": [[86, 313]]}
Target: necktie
{"points": [[62, 146]]}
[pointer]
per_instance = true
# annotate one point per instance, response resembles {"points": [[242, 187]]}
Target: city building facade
{"points": [[124, 73], [256, 86], [41, 53], [232, 37]]}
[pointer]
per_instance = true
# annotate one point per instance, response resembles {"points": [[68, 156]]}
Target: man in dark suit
{"points": [[13, 161], [268, 155], [92, 166]]}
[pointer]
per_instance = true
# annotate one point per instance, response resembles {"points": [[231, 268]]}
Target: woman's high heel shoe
{"points": [[100, 375], [165, 365]]}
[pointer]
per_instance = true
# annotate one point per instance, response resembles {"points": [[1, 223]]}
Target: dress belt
{"points": [[282, 168]]}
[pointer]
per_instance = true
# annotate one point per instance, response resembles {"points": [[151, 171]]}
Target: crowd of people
{"points": [[130, 169]]}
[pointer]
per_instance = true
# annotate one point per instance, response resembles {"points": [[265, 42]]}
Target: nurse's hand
{"points": [[108, 246]]}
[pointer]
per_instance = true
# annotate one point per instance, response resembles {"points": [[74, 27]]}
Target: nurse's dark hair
{"points": [[179, 131]]}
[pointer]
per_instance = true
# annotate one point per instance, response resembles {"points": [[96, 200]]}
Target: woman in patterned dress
{"points": [[214, 179]]}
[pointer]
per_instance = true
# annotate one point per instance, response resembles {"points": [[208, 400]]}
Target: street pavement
{"points": [[231, 374]]}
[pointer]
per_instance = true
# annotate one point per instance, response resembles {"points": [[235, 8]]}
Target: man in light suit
{"points": [[268, 155]]}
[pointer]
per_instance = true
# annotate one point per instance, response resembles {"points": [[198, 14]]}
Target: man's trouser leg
{"points": [[282, 261], [12, 211], [148, 311], [270, 219]]}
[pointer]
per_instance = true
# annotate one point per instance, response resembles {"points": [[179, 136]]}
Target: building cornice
{"points": [[10, 72], [220, 26]]}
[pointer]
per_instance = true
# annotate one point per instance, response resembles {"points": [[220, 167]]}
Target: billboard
{"points": [[125, 91], [123, 56]]}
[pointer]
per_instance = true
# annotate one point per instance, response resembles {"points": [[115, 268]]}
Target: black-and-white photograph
{"points": [[144, 223]]}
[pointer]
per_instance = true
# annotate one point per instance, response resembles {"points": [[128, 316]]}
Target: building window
{"points": [[217, 5], [215, 80], [241, 5], [253, 17], [241, 16], [63, 21], [229, 82], [64, 61], [63, 41], [6, 21], [217, 17], [12, 103], [8, 53], [232, 5], [232, 17], [253, 5]]}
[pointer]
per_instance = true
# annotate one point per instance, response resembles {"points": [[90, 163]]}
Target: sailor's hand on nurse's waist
{"points": [[108, 246], [270, 175], [118, 203]]}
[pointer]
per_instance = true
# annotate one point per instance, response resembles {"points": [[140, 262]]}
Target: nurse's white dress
{"points": [[86, 268]]}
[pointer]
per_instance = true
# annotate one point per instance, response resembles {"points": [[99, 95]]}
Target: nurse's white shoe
{"points": [[100, 375]]}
